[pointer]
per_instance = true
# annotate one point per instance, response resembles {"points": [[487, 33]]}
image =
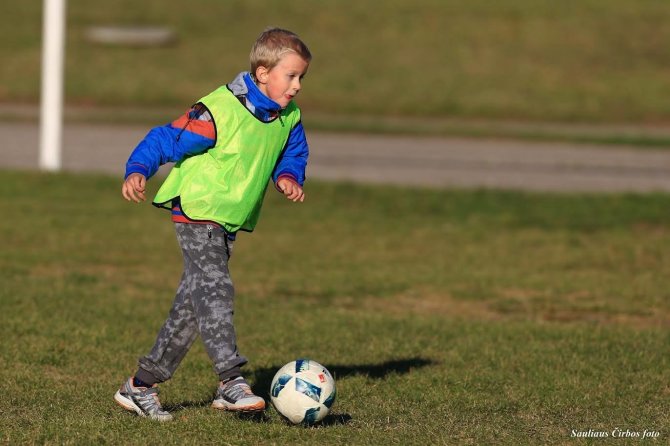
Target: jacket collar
{"points": [[263, 107], [258, 103]]}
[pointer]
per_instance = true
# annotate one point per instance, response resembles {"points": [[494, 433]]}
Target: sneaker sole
{"points": [[128, 404], [258, 407]]}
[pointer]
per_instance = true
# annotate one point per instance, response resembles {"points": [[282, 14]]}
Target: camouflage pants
{"points": [[203, 306]]}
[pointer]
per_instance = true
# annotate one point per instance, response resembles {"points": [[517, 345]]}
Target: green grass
{"points": [[576, 60], [447, 316]]}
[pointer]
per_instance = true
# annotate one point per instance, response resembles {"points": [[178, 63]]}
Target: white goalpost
{"points": [[51, 108]]}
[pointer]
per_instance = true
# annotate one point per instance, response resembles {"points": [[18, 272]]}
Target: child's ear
{"points": [[262, 74]]}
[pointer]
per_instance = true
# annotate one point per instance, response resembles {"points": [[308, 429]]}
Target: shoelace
{"points": [[237, 391], [149, 401]]}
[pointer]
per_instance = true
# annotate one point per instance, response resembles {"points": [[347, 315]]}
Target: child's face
{"points": [[283, 81]]}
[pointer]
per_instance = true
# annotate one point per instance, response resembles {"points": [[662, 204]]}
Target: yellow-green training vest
{"points": [[227, 183]]}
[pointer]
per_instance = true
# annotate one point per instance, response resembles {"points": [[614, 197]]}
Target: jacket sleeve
{"points": [[293, 160], [192, 133]]}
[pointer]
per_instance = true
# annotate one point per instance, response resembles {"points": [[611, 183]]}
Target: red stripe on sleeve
{"points": [[202, 128]]}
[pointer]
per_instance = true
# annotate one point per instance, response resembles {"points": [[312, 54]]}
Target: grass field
{"points": [[447, 317], [576, 60]]}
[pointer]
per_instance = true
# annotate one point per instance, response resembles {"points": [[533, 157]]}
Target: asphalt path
{"points": [[401, 160]]}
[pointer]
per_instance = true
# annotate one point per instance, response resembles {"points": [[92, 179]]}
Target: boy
{"points": [[226, 148]]}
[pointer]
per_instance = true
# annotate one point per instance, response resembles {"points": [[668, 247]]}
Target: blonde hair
{"points": [[272, 44]]}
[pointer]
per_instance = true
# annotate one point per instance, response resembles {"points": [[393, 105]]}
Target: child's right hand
{"points": [[133, 187]]}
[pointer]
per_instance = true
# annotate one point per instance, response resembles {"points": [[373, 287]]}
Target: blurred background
{"points": [[501, 316], [576, 61]]}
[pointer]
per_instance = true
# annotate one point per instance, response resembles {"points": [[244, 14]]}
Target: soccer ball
{"points": [[303, 391]]}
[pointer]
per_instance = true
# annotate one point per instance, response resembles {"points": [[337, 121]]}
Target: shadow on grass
{"points": [[188, 404], [262, 379], [332, 419]]}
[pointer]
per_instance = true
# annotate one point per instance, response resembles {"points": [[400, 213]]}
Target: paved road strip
{"points": [[401, 160]]}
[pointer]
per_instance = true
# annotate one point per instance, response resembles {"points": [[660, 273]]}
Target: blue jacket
{"points": [[195, 132]]}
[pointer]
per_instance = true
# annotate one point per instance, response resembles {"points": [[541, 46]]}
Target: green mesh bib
{"points": [[227, 183]]}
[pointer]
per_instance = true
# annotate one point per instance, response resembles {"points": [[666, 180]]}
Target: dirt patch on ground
{"points": [[431, 304]]}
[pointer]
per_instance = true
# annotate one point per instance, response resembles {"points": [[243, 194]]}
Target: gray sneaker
{"points": [[141, 400], [236, 395]]}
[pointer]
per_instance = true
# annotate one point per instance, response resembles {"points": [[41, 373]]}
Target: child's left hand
{"points": [[291, 189]]}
